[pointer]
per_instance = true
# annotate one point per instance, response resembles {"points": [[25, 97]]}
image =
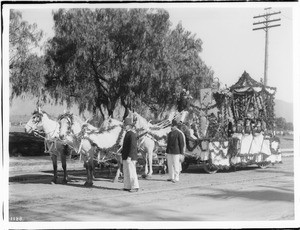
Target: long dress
{"points": [[258, 140], [246, 144], [238, 134]]}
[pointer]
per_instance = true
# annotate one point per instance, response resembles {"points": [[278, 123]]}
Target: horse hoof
{"points": [[144, 176]]}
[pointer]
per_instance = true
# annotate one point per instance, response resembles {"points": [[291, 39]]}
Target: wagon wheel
{"points": [[210, 168], [263, 165], [184, 166], [233, 168]]}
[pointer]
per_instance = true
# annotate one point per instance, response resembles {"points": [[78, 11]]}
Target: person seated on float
{"points": [[251, 114], [184, 100], [257, 128], [187, 130], [261, 118], [195, 130], [239, 127], [248, 126], [230, 129]]}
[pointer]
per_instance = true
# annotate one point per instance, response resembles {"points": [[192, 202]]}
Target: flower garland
{"points": [[218, 148], [203, 149], [113, 148], [191, 148], [203, 109], [158, 138]]}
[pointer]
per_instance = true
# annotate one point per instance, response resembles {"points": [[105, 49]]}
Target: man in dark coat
{"points": [[175, 147], [129, 157]]}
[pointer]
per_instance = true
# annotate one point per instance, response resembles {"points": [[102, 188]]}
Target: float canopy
{"points": [[246, 84]]}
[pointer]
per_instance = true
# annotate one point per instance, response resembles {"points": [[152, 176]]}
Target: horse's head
{"points": [[69, 125], [66, 121], [36, 122]]}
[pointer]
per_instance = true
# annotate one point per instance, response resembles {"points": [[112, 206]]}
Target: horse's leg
{"points": [[146, 163], [91, 172], [54, 162], [64, 163], [85, 164], [150, 157], [45, 146], [89, 167], [117, 174], [121, 168]]}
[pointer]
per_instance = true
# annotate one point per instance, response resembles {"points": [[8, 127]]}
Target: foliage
{"points": [[100, 56], [282, 124], [26, 69]]}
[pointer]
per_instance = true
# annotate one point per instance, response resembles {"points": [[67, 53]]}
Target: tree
{"points": [[26, 68], [102, 56], [282, 124]]}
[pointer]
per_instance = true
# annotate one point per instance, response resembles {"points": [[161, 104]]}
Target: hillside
{"points": [[284, 109]]}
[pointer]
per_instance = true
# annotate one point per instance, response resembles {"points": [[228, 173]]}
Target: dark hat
{"points": [[174, 123], [128, 121]]}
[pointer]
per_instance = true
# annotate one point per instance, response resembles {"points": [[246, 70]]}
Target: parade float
{"points": [[235, 129]]}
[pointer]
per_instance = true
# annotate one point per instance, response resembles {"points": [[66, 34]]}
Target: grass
{"points": [[286, 142]]}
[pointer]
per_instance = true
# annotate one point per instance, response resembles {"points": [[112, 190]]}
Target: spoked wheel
{"points": [[210, 168], [263, 165], [233, 168]]}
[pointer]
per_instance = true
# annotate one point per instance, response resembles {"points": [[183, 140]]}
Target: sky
{"points": [[230, 46]]}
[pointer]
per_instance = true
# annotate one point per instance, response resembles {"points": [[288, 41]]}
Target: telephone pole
{"points": [[266, 26]]}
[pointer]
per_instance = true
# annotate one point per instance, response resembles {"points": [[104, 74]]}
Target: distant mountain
{"points": [[284, 109], [21, 110]]}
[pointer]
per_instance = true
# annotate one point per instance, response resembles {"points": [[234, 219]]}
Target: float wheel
{"points": [[210, 168], [263, 165], [184, 166]]}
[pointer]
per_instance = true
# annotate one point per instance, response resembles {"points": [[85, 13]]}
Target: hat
{"points": [[128, 121], [174, 123]]}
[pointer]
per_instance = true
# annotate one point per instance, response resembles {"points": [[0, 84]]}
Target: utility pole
{"points": [[266, 27]]}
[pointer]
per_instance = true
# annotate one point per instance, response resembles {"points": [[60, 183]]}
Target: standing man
{"points": [[129, 157], [175, 146]]}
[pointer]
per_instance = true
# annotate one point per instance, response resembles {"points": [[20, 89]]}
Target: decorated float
{"points": [[235, 129]]}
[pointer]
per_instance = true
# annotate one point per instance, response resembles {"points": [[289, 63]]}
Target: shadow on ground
{"points": [[262, 195], [100, 210]]}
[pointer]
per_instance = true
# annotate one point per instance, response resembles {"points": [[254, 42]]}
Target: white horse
{"points": [[83, 137], [150, 136], [40, 121], [70, 129]]}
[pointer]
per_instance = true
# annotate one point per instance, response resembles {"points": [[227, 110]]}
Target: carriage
{"points": [[235, 129], [240, 130]]}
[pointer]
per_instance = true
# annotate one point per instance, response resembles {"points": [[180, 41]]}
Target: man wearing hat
{"points": [[129, 157], [175, 147]]}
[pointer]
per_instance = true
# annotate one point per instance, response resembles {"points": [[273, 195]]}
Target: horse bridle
{"points": [[36, 118], [70, 119]]}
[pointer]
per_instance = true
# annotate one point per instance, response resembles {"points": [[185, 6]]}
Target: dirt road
{"points": [[249, 194]]}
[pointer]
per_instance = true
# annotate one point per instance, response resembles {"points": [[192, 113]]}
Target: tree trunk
{"points": [[127, 106]]}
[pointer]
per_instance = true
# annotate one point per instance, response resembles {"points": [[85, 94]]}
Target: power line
{"points": [[266, 26]]}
